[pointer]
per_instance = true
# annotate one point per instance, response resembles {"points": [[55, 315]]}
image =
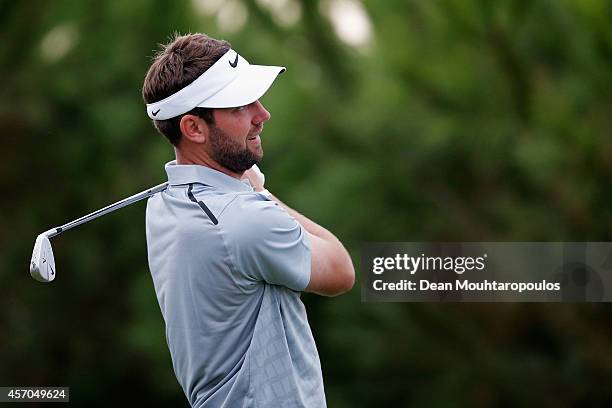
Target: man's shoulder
{"points": [[254, 208], [233, 210]]}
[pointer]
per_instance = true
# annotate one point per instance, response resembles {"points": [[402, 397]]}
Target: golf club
{"points": [[42, 265]]}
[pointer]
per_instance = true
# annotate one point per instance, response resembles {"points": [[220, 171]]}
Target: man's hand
{"points": [[255, 177]]}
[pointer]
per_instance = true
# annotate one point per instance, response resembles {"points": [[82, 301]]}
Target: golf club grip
{"points": [[109, 208]]}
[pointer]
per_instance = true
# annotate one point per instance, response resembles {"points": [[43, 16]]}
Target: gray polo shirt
{"points": [[228, 266]]}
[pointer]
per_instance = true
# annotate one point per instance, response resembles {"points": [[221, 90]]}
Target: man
{"points": [[228, 259]]}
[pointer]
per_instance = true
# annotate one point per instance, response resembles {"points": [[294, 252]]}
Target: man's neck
{"points": [[203, 159]]}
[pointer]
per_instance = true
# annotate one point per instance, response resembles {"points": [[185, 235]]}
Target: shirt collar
{"points": [[179, 174]]}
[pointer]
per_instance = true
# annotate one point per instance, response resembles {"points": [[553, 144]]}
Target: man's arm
{"points": [[331, 272]]}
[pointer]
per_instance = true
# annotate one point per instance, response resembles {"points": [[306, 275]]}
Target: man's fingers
{"points": [[260, 177], [255, 177]]}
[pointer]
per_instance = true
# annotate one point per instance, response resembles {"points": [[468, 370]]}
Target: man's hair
{"points": [[175, 66]]}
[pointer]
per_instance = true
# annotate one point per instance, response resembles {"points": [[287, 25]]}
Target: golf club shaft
{"points": [[110, 208]]}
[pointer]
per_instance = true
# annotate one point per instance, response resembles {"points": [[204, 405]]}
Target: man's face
{"points": [[234, 140]]}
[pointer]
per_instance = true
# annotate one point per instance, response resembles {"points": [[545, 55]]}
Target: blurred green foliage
{"points": [[453, 120]]}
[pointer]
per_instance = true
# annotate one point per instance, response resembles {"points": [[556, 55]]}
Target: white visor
{"points": [[228, 83]]}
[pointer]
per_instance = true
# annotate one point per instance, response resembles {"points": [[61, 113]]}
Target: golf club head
{"points": [[42, 265]]}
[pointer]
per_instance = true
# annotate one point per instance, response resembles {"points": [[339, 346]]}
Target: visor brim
{"points": [[249, 86]]}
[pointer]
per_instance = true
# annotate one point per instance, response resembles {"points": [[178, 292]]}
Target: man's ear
{"points": [[194, 128]]}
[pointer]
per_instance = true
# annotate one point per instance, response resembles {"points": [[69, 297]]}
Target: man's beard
{"points": [[229, 153]]}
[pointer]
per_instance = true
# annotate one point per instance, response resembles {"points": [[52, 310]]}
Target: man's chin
{"points": [[255, 159], [258, 154]]}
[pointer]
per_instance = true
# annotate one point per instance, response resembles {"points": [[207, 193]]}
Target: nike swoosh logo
{"points": [[155, 113], [235, 63]]}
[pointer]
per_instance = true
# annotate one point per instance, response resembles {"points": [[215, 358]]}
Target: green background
{"points": [[456, 120]]}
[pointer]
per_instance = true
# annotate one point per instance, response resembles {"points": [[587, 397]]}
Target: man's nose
{"points": [[261, 114]]}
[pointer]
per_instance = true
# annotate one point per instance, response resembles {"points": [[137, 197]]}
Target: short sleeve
{"points": [[271, 245]]}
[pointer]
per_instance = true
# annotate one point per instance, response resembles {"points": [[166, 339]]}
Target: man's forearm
{"points": [[309, 225], [257, 179]]}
